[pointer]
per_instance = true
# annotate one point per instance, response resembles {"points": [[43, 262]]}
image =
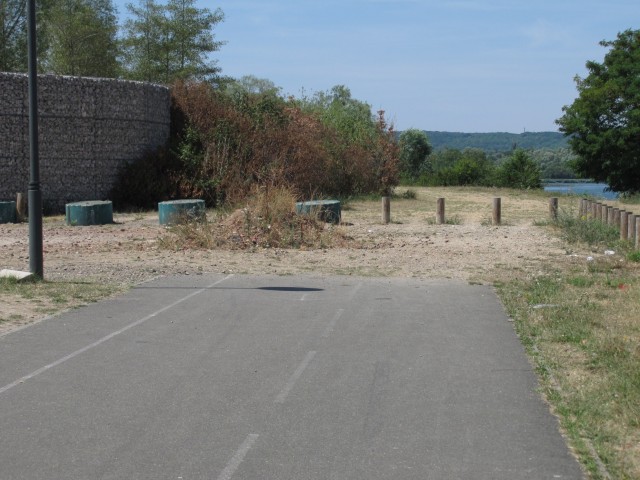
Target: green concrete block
{"points": [[176, 211], [93, 212], [327, 210], [8, 212]]}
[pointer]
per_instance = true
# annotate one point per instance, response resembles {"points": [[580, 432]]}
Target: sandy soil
{"points": [[128, 251]]}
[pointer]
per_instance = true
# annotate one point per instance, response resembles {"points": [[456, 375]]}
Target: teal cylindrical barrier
{"points": [[8, 212], [94, 212], [177, 211], [327, 210]]}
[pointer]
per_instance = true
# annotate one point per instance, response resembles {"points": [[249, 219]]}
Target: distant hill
{"points": [[498, 141]]}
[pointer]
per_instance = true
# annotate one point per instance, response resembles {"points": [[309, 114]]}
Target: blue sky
{"points": [[461, 65]]}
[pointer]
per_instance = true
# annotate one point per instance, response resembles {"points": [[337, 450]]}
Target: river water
{"points": [[592, 189]]}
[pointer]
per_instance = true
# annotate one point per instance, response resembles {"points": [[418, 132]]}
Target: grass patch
{"points": [[579, 324], [408, 194], [589, 231], [488, 222], [11, 318], [634, 256], [541, 223], [631, 199], [580, 281], [51, 296], [451, 220]]}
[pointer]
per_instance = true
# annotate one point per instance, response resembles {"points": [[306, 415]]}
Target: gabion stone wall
{"points": [[88, 128]]}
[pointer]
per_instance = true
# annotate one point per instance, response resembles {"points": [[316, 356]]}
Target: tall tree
{"points": [[414, 150], [144, 37], [603, 123], [192, 39], [82, 36], [13, 38], [13, 33], [163, 43]]}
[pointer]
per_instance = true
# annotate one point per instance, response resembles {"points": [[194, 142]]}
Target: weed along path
{"points": [[231, 376]]}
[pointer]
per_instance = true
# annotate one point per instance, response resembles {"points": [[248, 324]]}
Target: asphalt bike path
{"points": [[277, 377]]}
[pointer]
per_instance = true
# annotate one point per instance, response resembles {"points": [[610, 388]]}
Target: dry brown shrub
{"points": [[262, 139], [266, 219], [254, 140]]}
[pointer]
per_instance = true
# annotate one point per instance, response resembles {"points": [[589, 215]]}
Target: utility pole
{"points": [[35, 194]]}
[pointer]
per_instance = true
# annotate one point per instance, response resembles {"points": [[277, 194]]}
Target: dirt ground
{"points": [[468, 248]]}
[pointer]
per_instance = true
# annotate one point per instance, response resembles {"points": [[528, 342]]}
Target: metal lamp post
{"points": [[35, 194]]}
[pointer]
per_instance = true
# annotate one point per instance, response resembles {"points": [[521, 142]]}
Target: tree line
{"points": [[171, 41], [422, 164], [493, 142], [159, 42], [601, 126]]}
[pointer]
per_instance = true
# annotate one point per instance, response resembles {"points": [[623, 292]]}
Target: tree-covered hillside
{"points": [[497, 141], [548, 150]]}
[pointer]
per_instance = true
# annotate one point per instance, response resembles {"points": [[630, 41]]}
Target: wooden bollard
{"points": [[386, 210], [605, 214], [440, 211], [599, 211], [616, 217], [592, 210], [582, 209], [553, 208], [496, 218], [624, 226], [637, 232], [609, 215], [21, 206], [631, 227]]}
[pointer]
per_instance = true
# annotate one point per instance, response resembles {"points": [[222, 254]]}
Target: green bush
{"points": [[519, 171], [454, 167], [414, 153]]}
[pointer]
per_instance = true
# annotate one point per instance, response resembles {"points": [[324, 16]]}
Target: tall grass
{"points": [[589, 231], [579, 322]]}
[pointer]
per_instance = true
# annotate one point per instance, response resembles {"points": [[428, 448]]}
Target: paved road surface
{"points": [[244, 377]]}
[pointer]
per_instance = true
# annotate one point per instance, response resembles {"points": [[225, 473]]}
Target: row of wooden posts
{"points": [[496, 214], [627, 222]]}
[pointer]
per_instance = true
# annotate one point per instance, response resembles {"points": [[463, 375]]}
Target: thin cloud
{"points": [[542, 34]]}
